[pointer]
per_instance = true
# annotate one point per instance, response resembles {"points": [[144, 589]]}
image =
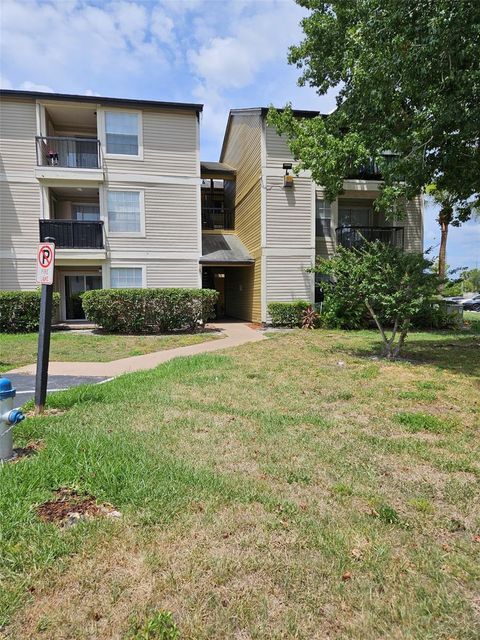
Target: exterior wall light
{"points": [[287, 178]]}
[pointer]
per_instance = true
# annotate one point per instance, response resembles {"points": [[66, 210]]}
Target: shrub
{"points": [[388, 283], [149, 310], [287, 314], [437, 314], [20, 310]]}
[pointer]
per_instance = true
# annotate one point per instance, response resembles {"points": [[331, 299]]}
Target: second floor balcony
{"points": [[218, 218], [353, 237], [73, 234], [68, 152]]}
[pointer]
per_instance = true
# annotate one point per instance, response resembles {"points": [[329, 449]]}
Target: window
{"points": [[124, 212], [126, 277], [354, 216], [121, 133], [86, 212], [323, 218]]}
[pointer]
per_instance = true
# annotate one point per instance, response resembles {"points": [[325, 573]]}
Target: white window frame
{"points": [[128, 265], [102, 134], [125, 234], [318, 197]]}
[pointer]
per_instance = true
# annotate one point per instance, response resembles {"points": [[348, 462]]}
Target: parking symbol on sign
{"points": [[45, 262]]}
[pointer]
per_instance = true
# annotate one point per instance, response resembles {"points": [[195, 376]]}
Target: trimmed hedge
{"points": [[20, 310], [149, 310], [287, 314]]}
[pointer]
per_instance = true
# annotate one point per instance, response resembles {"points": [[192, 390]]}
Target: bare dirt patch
{"points": [[30, 449], [69, 506]]}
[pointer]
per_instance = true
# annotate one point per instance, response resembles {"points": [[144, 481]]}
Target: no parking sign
{"points": [[45, 262]]}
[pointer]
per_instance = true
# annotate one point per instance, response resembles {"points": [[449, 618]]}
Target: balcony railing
{"points": [[215, 218], [371, 170], [72, 153], [73, 234], [354, 237]]}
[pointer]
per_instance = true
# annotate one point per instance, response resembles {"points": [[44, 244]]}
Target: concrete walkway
{"points": [[236, 333]]}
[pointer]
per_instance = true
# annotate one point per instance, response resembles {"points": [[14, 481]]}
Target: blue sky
{"points": [[222, 53]]}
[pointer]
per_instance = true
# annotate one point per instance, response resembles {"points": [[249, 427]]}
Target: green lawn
{"points": [[292, 488], [471, 316], [19, 349]]}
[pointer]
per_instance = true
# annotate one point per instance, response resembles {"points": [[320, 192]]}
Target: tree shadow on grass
{"points": [[452, 352]]}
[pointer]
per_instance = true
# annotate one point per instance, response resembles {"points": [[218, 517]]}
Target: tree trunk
{"points": [[444, 218]]}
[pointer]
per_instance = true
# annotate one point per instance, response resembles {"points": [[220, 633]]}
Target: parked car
{"points": [[472, 305], [469, 301]]}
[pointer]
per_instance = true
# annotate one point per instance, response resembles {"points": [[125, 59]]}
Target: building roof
{"points": [[104, 100], [224, 248], [262, 112], [216, 170]]}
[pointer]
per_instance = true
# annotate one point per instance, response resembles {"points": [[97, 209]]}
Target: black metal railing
{"points": [[354, 237], [216, 218], [371, 170], [73, 234], [70, 152]]}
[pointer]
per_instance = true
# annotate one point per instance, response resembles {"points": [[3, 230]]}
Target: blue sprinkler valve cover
{"points": [[6, 389]]}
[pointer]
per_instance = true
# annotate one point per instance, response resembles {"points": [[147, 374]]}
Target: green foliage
{"points": [[20, 310], [287, 314], [468, 282], [149, 310], [160, 627], [436, 314], [407, 79], [379, 281]]}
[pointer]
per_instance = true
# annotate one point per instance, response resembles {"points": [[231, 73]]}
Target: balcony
{"points": [[73, 234], [370, 170], [68, 152], [217, 218], [353, 237]]}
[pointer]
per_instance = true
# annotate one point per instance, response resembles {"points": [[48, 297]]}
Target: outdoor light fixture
{"points": [[287, 178]]}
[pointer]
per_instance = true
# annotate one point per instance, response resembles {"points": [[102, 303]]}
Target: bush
{"points": [[437, 314], [149, 310], [20, 310], [287, 314]]}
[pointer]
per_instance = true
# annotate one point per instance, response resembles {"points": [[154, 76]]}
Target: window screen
{"points": [[121, 133], [125, 277], [124, 211]]}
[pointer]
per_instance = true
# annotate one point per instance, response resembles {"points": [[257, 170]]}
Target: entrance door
{"points": [[75, 285]]}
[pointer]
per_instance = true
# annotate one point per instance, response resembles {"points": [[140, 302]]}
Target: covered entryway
{"points": [[228, 268]]}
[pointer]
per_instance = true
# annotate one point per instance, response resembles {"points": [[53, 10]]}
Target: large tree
{"points": [[408, 80]]}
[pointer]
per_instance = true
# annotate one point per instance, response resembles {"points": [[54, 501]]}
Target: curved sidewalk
{"points": [[236, 333]]}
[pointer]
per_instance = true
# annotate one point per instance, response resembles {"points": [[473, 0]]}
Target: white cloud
{"points": [[33, 86], [256, 41], [74, 42]]}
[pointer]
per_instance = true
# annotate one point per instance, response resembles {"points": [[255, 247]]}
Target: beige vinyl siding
{"points": [[287, 279], [413, 223], [172, 273], [169, 146], [20, 211], [289, 213], [243, 152], [18, 128], [18, 273], [278, 151], [171, 219]]}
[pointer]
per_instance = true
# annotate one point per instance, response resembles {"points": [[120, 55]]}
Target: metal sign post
{"points": [[45, 271]]}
